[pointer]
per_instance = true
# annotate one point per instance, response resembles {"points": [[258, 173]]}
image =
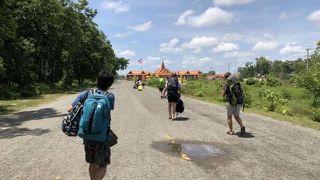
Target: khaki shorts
{"points": [[233, 109]]}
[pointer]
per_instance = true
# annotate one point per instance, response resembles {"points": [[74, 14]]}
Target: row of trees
{"points": [[295, 70], [46, 41], [277, 68]]}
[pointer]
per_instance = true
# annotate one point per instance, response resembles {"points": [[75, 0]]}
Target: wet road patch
{"points": [[208, 155]]}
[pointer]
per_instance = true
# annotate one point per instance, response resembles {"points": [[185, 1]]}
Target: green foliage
{"points": [[251, 81], [316, 114], [46, 41], [272, 82], [285, 93], [272, 97], [310, 80], [153, 81], [199, 94]]}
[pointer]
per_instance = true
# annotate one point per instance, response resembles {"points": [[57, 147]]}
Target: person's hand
{"points": [[70, 109]]}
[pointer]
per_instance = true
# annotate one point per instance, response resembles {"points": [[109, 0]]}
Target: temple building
{"points": [[163, 72], [143, 75]]}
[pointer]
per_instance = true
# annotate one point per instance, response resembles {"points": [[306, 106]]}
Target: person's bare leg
{"points": [[169, 109], [101, 172], [92, 170], [174, 107], [230, 123], [238, 119]]}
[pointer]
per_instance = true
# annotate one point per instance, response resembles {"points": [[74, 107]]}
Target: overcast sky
{"points": [[207, 34]]}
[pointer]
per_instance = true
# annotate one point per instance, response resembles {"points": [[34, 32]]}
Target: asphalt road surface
{"points": [[151, 146]]}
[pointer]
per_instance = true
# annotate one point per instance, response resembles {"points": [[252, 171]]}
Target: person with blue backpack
{"points": [[94, 125], [234, 96]]}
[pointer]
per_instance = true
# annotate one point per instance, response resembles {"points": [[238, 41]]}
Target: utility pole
{"points": [[308, 54]]}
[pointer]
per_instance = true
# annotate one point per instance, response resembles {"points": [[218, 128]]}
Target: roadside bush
{"points": [[9, 91], [286, 94], [31, 91], [199, 94], [251, 81], [248, 100], [316, 114], [272, 82], [218, 85], [272, 97], [153, 81]]}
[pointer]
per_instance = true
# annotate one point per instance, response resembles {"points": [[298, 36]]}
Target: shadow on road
{"points": [[15, 132], [9, 123], [246, 135], [181, 119]]}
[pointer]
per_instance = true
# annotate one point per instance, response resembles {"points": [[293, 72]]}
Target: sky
{"points": [[207, 35]]}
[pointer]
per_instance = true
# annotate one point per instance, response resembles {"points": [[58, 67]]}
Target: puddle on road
{"points": [[200, 151], [207, 155]]}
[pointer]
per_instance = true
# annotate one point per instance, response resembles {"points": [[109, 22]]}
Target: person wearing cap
{"points": [[232, 109]]}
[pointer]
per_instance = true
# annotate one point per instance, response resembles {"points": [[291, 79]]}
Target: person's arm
{"points": [[224, 88], [81, 98]]}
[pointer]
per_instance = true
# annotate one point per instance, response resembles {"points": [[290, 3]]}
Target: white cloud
{"points": [[226, 47], [255, 38], [116, 6], [212, 16], [233, 37], [264, 46], [231, 2], [191, 62], [315, 17], [123, 35], [127, 54], [200, 42], [241, 56], [292, 48], [171, 46], [183, 17], [283, 16], [141, 27]]}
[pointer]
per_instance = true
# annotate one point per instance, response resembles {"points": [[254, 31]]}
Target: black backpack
{"points": [[180, 106], [172, 85], [234, 93]]}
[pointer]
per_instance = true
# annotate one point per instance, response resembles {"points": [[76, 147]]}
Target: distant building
{"points": [[162, 71], [143, 75], [189, 74]]}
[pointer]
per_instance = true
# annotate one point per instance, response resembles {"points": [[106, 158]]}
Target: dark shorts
{"points": [[97, 152], [173, 98]]}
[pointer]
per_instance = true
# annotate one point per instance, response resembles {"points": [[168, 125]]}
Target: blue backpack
{"points": [[95, 121]]}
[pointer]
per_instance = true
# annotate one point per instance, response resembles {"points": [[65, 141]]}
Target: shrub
{"points": [[153, 81], [272, 81], [272, 97], [199, 94], [251, 81], [316, 114], [286, 94], [248, 100], [30, 91]]}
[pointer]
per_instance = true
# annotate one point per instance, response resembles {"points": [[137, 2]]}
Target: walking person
{"points": [[95, 129], [172, 89], [234, 96]]}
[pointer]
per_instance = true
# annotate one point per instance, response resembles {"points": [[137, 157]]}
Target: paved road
{"points": [[33, 146]]}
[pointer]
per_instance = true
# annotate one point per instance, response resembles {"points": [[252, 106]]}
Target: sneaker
{"points": [[243, 131]]}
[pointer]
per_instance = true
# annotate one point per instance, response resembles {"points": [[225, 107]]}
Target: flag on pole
{"points": [[140, 61]]}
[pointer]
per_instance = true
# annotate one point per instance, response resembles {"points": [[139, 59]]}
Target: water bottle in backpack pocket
{"points": [[95, 120]]}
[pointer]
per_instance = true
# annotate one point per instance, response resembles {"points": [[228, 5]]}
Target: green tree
{"points": [[263, 66]]}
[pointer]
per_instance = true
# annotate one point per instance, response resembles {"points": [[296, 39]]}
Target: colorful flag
{"points": [[140, 61]]}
